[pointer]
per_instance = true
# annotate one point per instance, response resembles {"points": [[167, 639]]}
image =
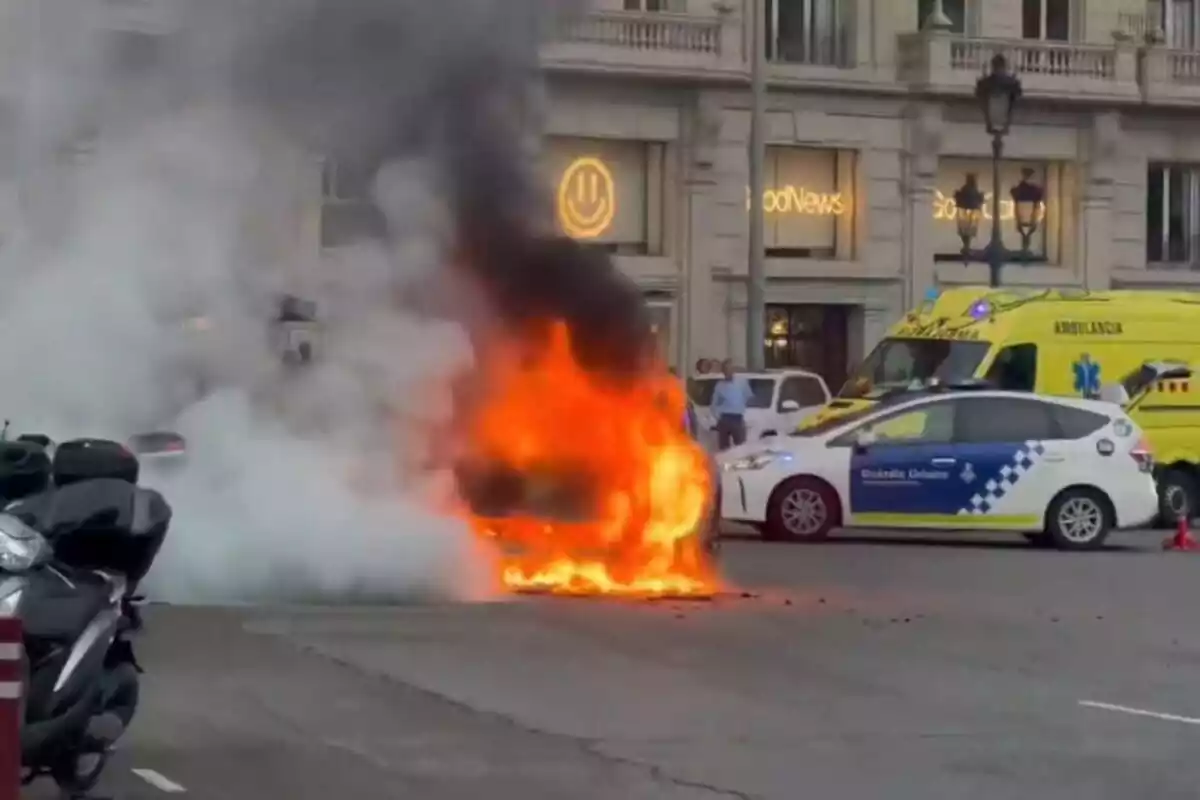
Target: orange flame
{"points": [[622, 446]]}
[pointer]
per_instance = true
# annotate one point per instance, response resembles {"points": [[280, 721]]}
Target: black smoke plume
{"points": [[185, 205], [349, 58]]}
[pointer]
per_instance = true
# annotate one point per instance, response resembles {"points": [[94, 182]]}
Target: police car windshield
{"points": [[899, 362], [825, 426]]}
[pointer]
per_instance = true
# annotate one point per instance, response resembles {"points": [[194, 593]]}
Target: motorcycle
{"points": [[71, 558]]}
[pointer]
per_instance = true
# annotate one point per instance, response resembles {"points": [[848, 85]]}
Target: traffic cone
{"points": [[1182, 540]]}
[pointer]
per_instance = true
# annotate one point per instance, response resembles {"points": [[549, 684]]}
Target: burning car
{"points": [[591, 485], [496, 492]]}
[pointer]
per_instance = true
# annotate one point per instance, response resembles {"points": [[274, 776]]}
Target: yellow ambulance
{"points": [[1134, 347]]}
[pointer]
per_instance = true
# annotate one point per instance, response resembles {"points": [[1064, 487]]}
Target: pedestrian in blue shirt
{"points": [[731, 397]]}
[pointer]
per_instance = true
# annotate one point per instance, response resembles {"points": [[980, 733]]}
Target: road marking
{"points": [[159, 781], [1140, 712]]}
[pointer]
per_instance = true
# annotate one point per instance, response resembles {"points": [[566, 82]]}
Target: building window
{"points": [[1048, 20], [1173, 214], [1046, 243], [347, 212], [608, 192], [811, 337], [808, 31], [1179, 21], [808, 206], [957, 11]]}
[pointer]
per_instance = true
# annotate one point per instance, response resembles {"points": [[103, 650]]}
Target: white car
{"points": [[782, 400], [1063, 471]]}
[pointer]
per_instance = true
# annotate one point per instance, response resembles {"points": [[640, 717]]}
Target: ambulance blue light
{"points": [[932, 293], [980, 309]]}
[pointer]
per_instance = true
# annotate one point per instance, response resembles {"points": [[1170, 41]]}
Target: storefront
{"points": [[1045, 246], [608, 192], [808, 207], [809, 214], [808, 336]]}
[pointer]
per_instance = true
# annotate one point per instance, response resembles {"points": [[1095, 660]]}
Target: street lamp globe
{"points": [[997, 92], [1028, 204], [968, 209]]}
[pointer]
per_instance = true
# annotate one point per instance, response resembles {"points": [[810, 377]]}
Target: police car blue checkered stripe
{"points": [[996, 488]]}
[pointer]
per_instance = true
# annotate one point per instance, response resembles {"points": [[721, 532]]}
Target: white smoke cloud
{"points": [[296, 486]]}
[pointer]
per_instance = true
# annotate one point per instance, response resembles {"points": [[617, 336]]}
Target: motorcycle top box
{"points": [[25, 469], [85, 459], [103, 523]]}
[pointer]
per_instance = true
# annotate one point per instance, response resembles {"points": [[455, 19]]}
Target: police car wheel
{"points": [[1176, 496], [801, 509], [1079, 519]]}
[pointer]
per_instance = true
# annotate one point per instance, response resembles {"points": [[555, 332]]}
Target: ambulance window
{"points": [[982, 420], [897, 362], [1015, 368]]}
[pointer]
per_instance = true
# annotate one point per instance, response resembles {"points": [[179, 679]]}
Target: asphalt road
{"points": [[864, 668]]}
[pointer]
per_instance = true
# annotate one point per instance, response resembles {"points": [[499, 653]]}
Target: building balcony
{"points": [[1170, 77], [657, 43], [712, 46], [950, 64], [702, 46]]}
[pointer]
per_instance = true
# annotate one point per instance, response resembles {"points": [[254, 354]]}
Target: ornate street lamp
{"points": [[968, 208], [998, 91], [1028, 205]]}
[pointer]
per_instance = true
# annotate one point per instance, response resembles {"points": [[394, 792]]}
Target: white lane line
{"points": [[159, 781], [1140, 712]]}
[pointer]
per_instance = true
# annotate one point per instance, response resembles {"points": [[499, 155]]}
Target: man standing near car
{"points": [[731, 396]]}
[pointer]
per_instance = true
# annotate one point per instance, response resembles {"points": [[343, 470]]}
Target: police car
{"points": [[1065, 472]]}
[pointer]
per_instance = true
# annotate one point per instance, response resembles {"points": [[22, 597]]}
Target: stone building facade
{"points": [[871, 127]]}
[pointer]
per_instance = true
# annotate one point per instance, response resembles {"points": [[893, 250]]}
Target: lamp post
{"points": [[997, 92], [756, 277]]}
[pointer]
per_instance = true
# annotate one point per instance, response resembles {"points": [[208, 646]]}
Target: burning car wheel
{"points": [[803, 509]]}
